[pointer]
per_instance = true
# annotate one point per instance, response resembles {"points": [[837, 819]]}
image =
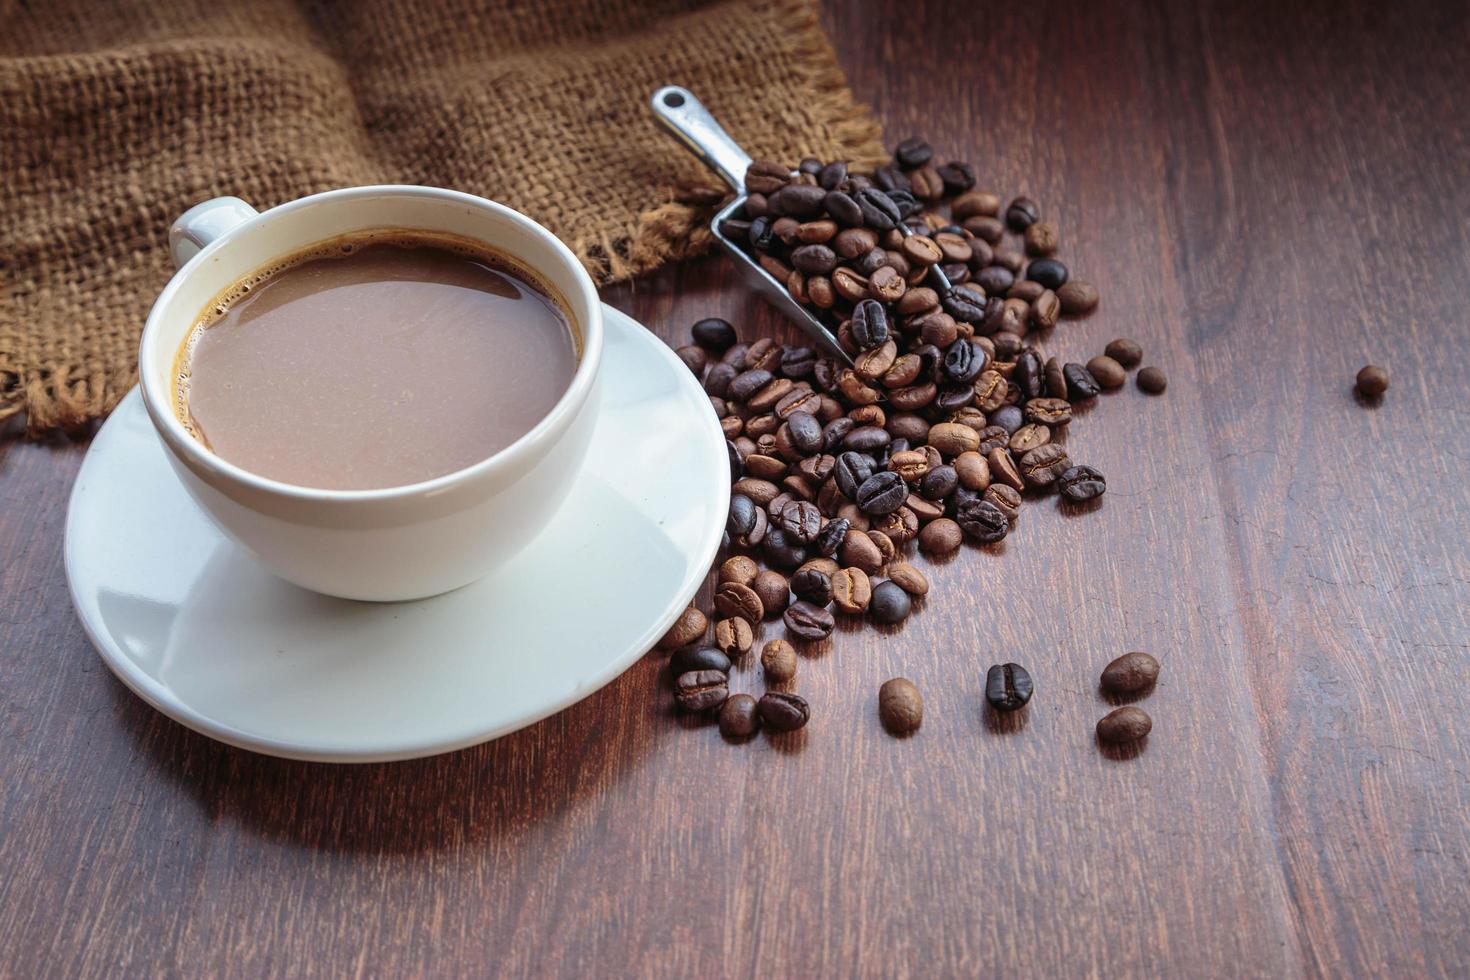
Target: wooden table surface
{"points": [[1269, 196]]}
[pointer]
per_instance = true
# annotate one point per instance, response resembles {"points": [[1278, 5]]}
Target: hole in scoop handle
{"points": [[686, 117], [203, 223]]}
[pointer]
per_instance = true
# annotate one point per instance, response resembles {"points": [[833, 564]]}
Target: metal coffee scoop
{"points": [[686, 117]]}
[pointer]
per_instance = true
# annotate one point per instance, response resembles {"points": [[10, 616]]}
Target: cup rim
{"points": [[159, 403]]}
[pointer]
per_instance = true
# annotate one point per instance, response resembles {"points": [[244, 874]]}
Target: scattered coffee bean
{"points": [[890, 604], [941, 537], [738, 718], [1048, 272], [808, 622], [851, 591], [778, 660], [714, 334], [772, 590], [688, 628], [983, 521], [1041, 239], [782, 712], [1080, 484], [908, 578], [1044, 465], [1022, 214], [1372, 381], [1130, 673], [739, 568], [1108, 372], [1007, 687], [1152, 381], [1081, 385], [900, 706], [1127, 724], [734, 637], [881, 493], [690, 659], [1126, 352], [812, 586], [1078, 298], [733, 599], [701, 690]]}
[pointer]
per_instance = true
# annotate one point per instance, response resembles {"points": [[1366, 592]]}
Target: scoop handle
{"points": [[678, 111]]}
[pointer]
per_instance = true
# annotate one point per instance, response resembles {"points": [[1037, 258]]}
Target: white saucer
{"points": [[201, 632]]}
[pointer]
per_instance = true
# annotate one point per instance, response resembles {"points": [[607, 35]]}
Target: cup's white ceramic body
{"points": [[401, 542]]}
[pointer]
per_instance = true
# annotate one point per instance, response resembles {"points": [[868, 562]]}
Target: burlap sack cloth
{"points": [[116, 115]]}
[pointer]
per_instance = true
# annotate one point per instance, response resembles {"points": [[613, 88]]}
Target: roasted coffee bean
{"points": [[701, 690], [783, 712], [747, 524], [1044, 465], [1029, 374], [747, 383], [735, 229], [1081, 483], [953, 438], [889, 605], [1152, 381], [1081, 385], [801, 520], [983, 521], [689, 659], [901, 526], [766, 176], [835, 431], [926, 185], [889, 179], [870, 262], [939, 482], [1041, 238], [765, 467], [990, 390], [846, 211], [1008, 417], [778, 660], [1005, 498], [941, 537], [963, 362], [812, 586], [900, 706], [1007, 343], [913, 153], [851, 590], [782, 550], [738, 718], [849, 285], [1045, 310], [694, 358], [689, 627], [995, 279], [869, 325], [886, 284], [737, 464], [772, 589], [797, 362], [923, 509], [962, 307], [851, 471], [956, 248], [974, 203], [805, 432], [958, 177], [814, 260], [713, 333], [764, 353], [1028, 437], [734, 636], [1056, 381], [1126, 352], [816, 232], [1127, 724], [1108, 372], [1371, 381], [911, 464], [908, 578], [1130, 673], [1049, 411], [866, 439], [832, 174], [879, 211], [972, 469], [1049, 272], [1003, 469], [717, 379], [881, 493], [1007, 687], [762, 235], [1022, 214], [986, 228], [994, 437], [1078, 298], [767, 398], [808, 622], [830, 538], [1026, 290], [802, 201]]}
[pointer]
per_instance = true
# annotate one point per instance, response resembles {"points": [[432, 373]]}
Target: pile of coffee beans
{"points": [[949, 418]]}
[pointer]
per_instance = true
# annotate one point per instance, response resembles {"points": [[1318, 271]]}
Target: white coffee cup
{"points": [[401, 542]]}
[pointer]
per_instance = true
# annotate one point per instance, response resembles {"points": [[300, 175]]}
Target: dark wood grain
{"points": [[1269, 196]]}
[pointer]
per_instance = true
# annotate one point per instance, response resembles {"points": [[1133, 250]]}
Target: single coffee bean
{"points": [[1049, 411], [1108, 372], [972, 469], [734, 636], [835, 431], [1080, 484], [869, 324], [1081, 385], [832, 174], [778, 660], [1152, 381], [851, 591], [986, 228], [717, 379], [995, 279], [830, 539], [1007, 687], [782, 550], [1130, 673], [983, 521], [890, 604], [815, 259], [713, 333], [1041, 238], [1026, 290], [953, 438], [940, 537], [766, 176], [867, 439], [1372, 381], [1078, 298], [690, 659], [772, 589], [738, 718], [1049, 272], [1004, 498], [746, 524], [802, 201], [1028, 374], [879, 211], [747, 383], [739, 568], [805, 432], [701, 690], [958, 305], [808, 622], [801, 520], [913, 153], [1045, 310], [826, 566], [1009, 418], [908, 578], [1044, 465], [973, 203], [782, 712], [690, 626], [939, 482], [881, 493], [900, 706], [963, 362], [797, 362], [1126, 352], [1022, 214], [1003, 469], [694, 358], [1028, 437], [812, 586], [1126, 724]]}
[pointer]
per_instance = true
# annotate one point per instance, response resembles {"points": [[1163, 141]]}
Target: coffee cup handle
{"points": [[203, 223]]}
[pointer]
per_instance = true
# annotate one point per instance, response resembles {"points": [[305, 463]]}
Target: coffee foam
{"points": [[343, 247]]}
